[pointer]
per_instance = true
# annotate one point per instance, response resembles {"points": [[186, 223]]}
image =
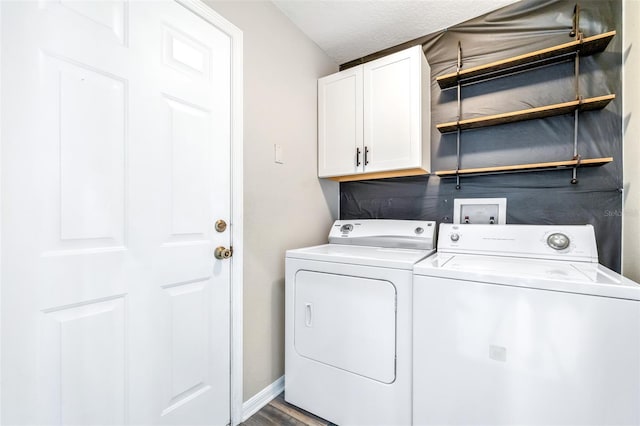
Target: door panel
{"points": [[106, 18], [91, 116], [116, 150], [189, 369], [340, 123], [392, 119], [190, 181], [346, 322], [84, 362], [83, 132], [185, 53]]}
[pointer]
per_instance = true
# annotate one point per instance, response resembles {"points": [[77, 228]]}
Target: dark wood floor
{"points": [[279, 412]]}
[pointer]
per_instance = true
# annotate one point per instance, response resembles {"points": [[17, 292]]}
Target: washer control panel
{"points": [[571, 242], [418, 234]]}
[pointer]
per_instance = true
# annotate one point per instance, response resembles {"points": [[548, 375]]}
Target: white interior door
{"points": [[115, 166]]}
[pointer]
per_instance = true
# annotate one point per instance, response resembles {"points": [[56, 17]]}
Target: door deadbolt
{"points": [[223, 253], [220, 225]]}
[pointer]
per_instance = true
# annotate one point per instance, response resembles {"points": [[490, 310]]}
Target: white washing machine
{"points": [[348, 321], [519, 324]]}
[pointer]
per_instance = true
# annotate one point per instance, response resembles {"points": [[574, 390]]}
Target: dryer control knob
{"points": [[558, 241], [346, 228], [455, 237]]}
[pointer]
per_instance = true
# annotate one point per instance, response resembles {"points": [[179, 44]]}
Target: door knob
{"points": [[223, 253], [220, 225]]}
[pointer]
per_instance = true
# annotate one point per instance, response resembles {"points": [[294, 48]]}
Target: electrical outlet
{"points": [[480, 211]]}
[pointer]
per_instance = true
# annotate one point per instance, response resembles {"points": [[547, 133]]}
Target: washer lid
{"points": [[556, 275], [384, 257]]}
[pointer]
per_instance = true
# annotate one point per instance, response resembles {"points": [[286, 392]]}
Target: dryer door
{"points": [[346, 322]]}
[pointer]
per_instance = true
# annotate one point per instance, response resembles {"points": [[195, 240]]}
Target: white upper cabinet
{"points": [[340, 123], [374, 119]]}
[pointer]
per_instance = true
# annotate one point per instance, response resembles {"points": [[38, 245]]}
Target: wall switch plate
{"points": [[480, 211], [277, 154]]}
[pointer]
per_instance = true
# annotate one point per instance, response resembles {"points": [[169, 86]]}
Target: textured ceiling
{"points": [[350, 29]]}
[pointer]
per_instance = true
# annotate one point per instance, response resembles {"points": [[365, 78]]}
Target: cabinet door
{"points": [[392, 111], [340, 123]]}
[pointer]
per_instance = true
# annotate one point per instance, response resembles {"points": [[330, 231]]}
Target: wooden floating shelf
{"points": [[527, 114], [586, 46], [554, 165], [380, 175]]}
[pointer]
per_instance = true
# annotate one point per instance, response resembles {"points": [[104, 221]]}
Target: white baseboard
{"points": [[262, 398]]}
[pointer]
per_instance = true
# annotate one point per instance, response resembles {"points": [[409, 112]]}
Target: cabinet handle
{"points": [[366, 155], [357, 157]]}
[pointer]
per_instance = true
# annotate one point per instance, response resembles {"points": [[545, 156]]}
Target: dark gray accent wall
{"points": [[544, 197]]}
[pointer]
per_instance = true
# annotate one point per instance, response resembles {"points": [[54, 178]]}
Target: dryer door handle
{"points": [[308, 314]]}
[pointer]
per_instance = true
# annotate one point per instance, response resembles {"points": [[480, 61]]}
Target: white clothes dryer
{"points": [[519, 324], [348, 321]]}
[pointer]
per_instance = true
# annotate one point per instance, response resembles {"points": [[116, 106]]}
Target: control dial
{"points": [[455, 237], [558, 241], [346, 228]]}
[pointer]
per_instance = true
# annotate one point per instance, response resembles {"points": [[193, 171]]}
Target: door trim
{"points": [[235, 34], [1, 285]]}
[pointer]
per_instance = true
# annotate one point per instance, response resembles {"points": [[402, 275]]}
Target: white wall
{"points": [[631, 126], [285, 205]]}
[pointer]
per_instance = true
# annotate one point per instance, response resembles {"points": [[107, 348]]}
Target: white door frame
{"points": [[1, 380], [235, 34]]}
